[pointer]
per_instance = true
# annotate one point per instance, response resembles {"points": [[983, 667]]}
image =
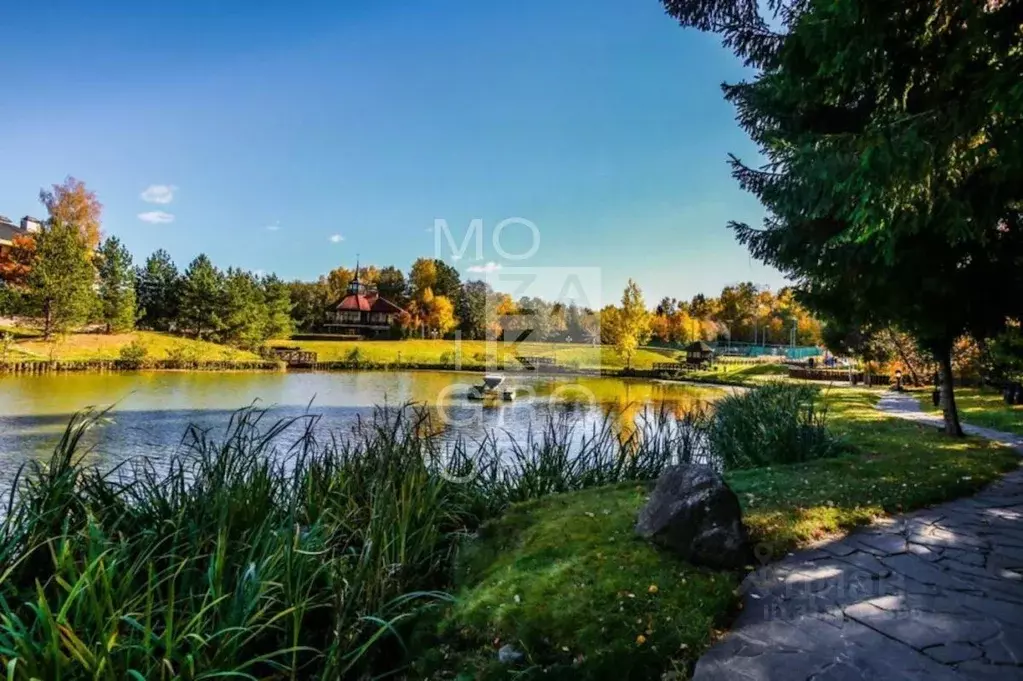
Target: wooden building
{"points": [[698, 353], [363, 313]]}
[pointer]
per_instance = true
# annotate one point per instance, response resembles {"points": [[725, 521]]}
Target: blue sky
{"points": [[290, 136]]}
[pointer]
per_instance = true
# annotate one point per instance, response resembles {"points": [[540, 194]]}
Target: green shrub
{"points": [[182, 356], [354, 357], [776, 423], [134, 354]]}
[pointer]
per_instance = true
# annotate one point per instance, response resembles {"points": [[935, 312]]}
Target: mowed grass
{"points": [[419, 351], [564, 579], [744, 373], [982, 407], [97, 346]]}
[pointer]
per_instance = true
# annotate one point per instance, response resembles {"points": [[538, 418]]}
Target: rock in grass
{"points": [[508, 655], [693, 513]]}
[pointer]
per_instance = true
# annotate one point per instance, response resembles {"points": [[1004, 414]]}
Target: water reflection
{"points": [[153, 410]]}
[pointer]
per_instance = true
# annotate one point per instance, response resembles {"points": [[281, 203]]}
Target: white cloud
{"points": [[484, 269], [156, 217], [159, 193], [336, 238], [274, 227]]}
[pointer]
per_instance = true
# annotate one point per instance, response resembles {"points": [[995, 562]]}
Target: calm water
{"points": [[153, 410]]}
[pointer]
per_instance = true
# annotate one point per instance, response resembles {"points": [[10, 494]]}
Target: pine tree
{"points": [[892, 179], [244, 312], [116, 286], [202, 298], [59, 288], [277, 299], [158, 289]]}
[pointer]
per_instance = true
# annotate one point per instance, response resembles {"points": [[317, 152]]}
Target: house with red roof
{"points": [[363, 313]]}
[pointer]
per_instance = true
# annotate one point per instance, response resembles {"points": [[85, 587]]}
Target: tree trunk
{"points": [[902, 355], [948, 400], [47, 321]]}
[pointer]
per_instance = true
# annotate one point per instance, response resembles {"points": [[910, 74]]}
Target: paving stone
{"points": [[951, 653], [936, 595], [983, 671]]}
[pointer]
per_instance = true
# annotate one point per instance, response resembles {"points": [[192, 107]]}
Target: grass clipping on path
{"points": [[565, 581]]}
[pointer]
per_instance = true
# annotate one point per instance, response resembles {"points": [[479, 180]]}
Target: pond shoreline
{"points": [[232, 366]]}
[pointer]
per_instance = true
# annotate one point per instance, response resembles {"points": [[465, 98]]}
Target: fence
{"points": [[104, 365], [839, 376]]}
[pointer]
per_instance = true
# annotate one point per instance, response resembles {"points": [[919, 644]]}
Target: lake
{"points": [[153, 410]]}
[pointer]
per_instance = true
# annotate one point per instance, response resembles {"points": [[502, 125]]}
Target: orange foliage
{"points": [[73, 204], [16, 262]]}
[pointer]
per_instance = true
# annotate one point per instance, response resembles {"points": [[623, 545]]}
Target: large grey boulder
{"points": [[693, 513]]}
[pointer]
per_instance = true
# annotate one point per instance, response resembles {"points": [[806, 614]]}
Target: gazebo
{"points": [[698, 353], [363, 313]]}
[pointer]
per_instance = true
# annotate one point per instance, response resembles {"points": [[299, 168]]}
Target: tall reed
{"points": [[774, 423], [266, 554]]}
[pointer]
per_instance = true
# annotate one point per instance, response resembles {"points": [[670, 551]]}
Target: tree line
{"points": [[67, 276]]}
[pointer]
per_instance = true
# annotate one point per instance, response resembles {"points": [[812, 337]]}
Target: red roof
{"points": [[370, 303], [355, 302], [384, 305]]}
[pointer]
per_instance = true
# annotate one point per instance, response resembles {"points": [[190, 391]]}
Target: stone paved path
{"points": [[936, 595]]}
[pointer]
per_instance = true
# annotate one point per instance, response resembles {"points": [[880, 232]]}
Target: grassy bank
{"points": [[981, 407], [564, 579], [419, 351], [266, 553], [95, 346]]}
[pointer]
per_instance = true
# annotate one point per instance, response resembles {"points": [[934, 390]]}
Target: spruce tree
{"points": [[202, 299], [116, 286], [894, 174], [158, 292]]}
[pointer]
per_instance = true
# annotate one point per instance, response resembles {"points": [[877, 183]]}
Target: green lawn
{"points": [[982, 407], [744, 373], [564, 579], [472, 352], [94, 346]]}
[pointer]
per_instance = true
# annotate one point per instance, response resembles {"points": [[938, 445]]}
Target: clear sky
{"points": [[288, 137]]}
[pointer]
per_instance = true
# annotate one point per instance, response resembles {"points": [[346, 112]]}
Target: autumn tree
{"points": [[422, 276], [71, 203], [440, 315], [16, 261], [336, 283], [202, 298], [59, 287], [158, 289], [116, 286]]}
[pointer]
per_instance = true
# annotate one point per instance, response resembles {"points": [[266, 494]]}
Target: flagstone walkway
{"points": [[936, 594]]}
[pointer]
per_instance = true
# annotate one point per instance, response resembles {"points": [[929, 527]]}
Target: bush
{"points": [[354, 357], [771, 424], [134, 354], [182, 356]]}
